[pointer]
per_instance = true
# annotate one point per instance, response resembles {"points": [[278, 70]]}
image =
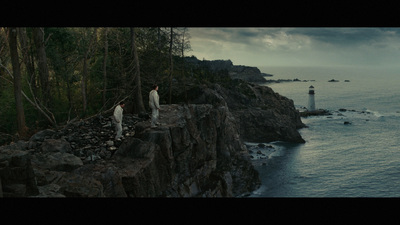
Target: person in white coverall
{"points": [[118, 111], [154, 105]]}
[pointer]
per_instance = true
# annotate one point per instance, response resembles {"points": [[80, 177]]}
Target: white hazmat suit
{"points": [[118, 111], [155, 106]]}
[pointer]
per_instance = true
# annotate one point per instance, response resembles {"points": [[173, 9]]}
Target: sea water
{"points": [[360, 159]]}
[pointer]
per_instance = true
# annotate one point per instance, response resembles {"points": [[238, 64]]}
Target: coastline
{"points": [[220, 118]]}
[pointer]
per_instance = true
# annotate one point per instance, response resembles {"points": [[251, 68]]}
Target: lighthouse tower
{"points": [[311, 100]]}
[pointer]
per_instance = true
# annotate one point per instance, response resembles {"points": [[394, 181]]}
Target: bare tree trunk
{"points": [[159, 67], [85, 71], [105, 65], [28, 59], [12, 41], [38, 36], [171, 67], [183, 66], [25, 49], [137, 98], [83, 84]]}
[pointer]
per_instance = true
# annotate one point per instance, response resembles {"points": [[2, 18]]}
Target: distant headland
{"points": [[246, 73]]}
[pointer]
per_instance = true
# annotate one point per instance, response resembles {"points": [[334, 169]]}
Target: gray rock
{"points": [[50, 191], [58, 161], [110, 143], [135, 148], [41, 135], [75, 185], [16, 174], [56, 145]]}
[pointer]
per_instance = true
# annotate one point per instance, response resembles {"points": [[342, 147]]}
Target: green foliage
{"points": [[66, 48]]}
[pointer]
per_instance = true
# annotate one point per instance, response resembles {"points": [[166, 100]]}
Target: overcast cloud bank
{"points": [[310, 46]]}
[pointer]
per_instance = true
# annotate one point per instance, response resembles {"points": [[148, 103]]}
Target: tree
{"points": [[137, 96], [12, 41], [171, 41], [67, 61], [85, 69], [63, 59], [105, 65], [38, 37], [27, 57], [185, 45]]}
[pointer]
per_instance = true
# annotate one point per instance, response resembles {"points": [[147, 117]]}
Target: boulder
{"points": [[19, 145], [50, 191], [58, 161], [41, 135], [1, 189], [108, 174], [16, 174], [56, 145], [135, 148], [75, 185]]}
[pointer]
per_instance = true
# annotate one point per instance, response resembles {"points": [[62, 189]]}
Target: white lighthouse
{"points": [[311, 100]]}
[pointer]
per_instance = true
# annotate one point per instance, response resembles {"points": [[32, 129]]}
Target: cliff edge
{"points": [[195, 152]]}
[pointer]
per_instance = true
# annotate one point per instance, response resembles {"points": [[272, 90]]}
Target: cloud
{"points": [[298, 46]]}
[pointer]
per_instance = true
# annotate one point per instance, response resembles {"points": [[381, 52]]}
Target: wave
{"points": [[383, 114], [351, 115], [375, 113]]}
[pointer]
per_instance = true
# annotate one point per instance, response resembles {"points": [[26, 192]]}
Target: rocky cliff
{"points": [[246, 73], [195, 152], [261, 114]]}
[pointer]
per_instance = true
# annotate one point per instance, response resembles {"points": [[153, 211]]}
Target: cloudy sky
{"points": [[311, 46]]}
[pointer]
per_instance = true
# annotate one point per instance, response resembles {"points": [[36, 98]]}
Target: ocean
{"points": [[360, 159]]}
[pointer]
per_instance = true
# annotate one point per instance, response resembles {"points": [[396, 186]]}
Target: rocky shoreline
{"points": [[298, 80], [319, 112], [198, 151]]}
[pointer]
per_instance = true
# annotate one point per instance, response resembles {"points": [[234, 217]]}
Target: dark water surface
{"points": [[357, 160]]}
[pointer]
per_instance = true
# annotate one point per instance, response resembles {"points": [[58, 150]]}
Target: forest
{"points": [[51, 76]]}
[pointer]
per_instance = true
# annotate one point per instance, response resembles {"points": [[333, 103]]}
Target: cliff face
{"points": [[261, 114], [196, 152]]}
